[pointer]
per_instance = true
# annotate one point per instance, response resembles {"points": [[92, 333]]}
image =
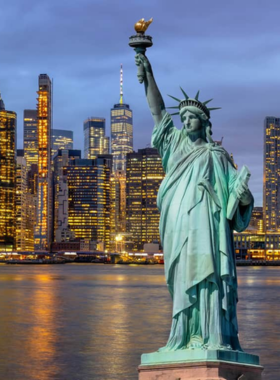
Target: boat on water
{"points": [[35, 261], [137, 262]]}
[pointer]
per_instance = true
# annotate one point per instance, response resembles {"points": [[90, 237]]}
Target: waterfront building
{"points": [[31, 201], [25, 206], [61, 161], [95, 141], [118, 202], [271, 177], [8, 122], [30, 137], [121, 131], [144, 174], [61, 139], [84, 246], [21, 202], [43, 231], [31, 213], [257, 245], [89, 201]]}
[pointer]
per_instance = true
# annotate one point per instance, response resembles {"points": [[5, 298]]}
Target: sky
{"points": [[230, 51]]}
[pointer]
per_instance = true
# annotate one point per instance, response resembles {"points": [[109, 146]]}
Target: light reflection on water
{"points": [[83, 321]]}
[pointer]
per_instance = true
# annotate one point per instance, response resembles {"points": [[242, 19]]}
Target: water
{"points": [[89, 322]]}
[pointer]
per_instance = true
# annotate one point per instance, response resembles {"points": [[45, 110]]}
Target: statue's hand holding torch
{"points": [[140, 42]]}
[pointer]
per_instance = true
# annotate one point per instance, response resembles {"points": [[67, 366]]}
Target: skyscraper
{"points": [[21, 202], [88, 183], [61, 139], [30, 137], [61, 161], [121, 131], [95, 141], [8, 121], [118, 200], [43, 232], [144, 174], [271, 177]]}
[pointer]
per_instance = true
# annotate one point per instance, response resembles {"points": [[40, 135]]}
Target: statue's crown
{"points": [[189, 102]]}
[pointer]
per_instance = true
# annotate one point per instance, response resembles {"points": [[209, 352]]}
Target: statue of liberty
{"points": [[196, 232]]}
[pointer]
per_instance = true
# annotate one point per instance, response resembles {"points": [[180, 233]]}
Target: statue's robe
{"points": [[197, 239]]}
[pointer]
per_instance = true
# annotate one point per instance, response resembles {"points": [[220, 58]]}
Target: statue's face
{"points": [[192, 122]]}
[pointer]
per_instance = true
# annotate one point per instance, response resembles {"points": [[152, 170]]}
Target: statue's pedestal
{"points": [[200, 365]]}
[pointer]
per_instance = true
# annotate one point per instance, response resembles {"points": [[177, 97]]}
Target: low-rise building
{"points": [[257, 246]]}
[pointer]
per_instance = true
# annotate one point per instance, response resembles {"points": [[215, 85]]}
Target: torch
{"points": [[140, 42]]}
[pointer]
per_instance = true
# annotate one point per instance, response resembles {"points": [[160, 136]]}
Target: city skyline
{"points": [[225, 59]]}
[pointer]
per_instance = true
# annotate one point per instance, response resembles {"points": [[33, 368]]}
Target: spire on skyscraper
{"points": [[121, 85], [2, 104]]}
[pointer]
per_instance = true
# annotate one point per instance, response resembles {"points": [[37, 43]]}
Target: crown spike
{"points": [[197, 95], [185, 95], [173, 107], [216, 108], [207, 101], [178, 100], [176, 113]]}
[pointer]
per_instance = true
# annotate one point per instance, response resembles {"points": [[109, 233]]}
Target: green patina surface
{"points": [[196, 232], [181, 356]]}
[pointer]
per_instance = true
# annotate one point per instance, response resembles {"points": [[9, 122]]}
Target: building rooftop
{"points": [[2, 104]]}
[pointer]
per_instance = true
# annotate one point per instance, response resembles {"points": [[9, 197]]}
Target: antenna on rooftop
{"points": [[121, 85]]}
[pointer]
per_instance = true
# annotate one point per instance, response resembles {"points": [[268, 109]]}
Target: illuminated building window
{"points": [[144, 174], [95, 141], [7, 178]]}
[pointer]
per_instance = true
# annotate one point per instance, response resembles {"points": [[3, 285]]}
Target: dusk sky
{"points": [[230, 51]]}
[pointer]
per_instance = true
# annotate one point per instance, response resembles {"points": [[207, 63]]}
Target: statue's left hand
{"points": [[244, 195]]}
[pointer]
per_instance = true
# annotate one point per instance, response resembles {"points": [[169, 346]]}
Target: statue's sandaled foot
{"points": [[210, 346], [196, 342]]}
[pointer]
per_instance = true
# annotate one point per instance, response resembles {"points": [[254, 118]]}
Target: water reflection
{"points": [[80, 322]]}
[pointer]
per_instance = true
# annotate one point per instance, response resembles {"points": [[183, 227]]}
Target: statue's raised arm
{"points": [[140, 42], [155, 100]]}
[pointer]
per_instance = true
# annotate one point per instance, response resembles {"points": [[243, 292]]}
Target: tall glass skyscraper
{"points": [[21, 203], [89, 206], [61, 161], [61, 139], [121, 131], [30, 137], [43, 232], [8, 122], [95, 141], [144, 174], [271, 177]]}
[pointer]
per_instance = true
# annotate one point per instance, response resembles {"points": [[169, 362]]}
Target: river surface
{"points": [[93, 321]]}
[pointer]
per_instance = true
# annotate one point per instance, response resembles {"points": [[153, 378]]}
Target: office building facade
{"points": [[89, 205], [61, 161], [121, 135], [258, 246], [8, 122], [121, 131], [271, 175], [21, 203], [118, 201], [61, 139], [144, 174], [30, 137], [256, 222], [95, 141], [43, 232]]}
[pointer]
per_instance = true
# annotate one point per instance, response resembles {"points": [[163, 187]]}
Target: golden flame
{"points": [[141, 26]]}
